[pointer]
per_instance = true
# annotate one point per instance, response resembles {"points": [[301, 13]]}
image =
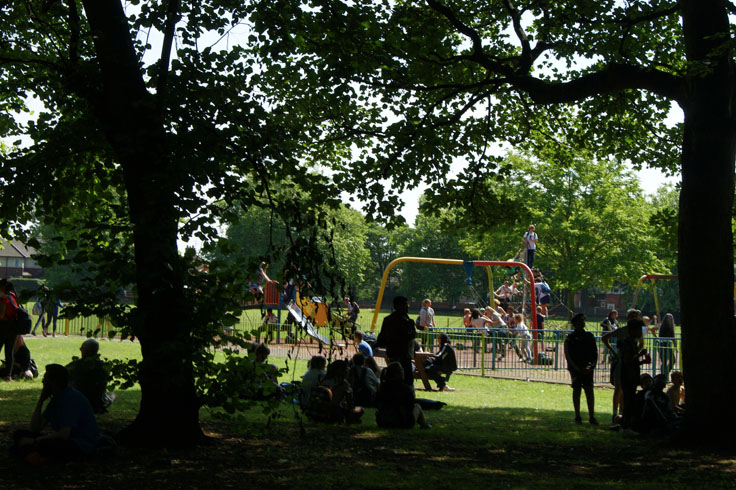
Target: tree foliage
{"points": [[602, 76]]}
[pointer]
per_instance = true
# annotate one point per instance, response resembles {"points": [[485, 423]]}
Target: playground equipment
{"points": [[303, 322], [654, 278], [468, 265]]}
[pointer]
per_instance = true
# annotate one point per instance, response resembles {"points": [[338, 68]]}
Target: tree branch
{"points": [[74, 31], [526, 50], [478, 55], [172, 17], [614, 77]]}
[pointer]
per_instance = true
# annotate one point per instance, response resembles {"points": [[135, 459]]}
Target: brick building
{"points": [[16, 261]]}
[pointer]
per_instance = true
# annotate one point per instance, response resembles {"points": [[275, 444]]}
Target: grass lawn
{"points": [[493, 433]]}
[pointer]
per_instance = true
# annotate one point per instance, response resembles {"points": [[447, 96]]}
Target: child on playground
{"points": [[522, 332], [581, 352], [467, 317]]}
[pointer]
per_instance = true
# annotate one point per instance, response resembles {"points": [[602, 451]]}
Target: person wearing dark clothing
{"points": [[645, 381], [581, 352], [75, 432], [659, 413], [396, 403], [397, 334], [629, 357], [89, 376], [8, 307], [667, 344], [442, 364]]}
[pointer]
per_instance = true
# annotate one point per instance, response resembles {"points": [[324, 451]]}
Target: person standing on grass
{"points": [[397, 336], [581, 352]]}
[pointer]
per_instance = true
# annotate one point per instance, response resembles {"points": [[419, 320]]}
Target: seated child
{"points": [[363, 382], [270, 371], [313, 377], [645, 381], [342, 407], [676, 392], [659, 412], [396, 402]]}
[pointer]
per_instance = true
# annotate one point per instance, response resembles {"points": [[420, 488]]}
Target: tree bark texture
{"points": [[705, 258], [169, 409]]}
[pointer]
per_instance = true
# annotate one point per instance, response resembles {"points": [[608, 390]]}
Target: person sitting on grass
{"points": [[645, 381], [75, 432], [343, 407], [313, 377], [396, 402], [365, 348], [581, 352], [89, 376], [270, 371], [363, 382], [441, 365], [659, 415], [676, 392], [23, 366]]}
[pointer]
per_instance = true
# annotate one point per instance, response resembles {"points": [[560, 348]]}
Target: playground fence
{"points": [[494, 352], [490, 352]]}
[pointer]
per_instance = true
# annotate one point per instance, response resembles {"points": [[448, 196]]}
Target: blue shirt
{"points": [[72, 409], [365, 349]]}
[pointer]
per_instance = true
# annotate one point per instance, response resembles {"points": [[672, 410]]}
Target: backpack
{"points": [[22, 323], [418, 323], [37, 308], [319, 407], [356, 308]]}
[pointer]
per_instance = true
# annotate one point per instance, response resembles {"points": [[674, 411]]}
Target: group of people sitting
{"points": [[341, 391], [657, 411], [71, 395]]}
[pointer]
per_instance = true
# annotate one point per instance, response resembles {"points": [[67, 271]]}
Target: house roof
{"points": [[16, 249]]}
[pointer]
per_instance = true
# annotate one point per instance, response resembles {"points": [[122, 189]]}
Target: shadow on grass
{"points": [[466, 448]]}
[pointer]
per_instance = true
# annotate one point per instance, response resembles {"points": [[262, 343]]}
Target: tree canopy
{"points": [[377, 92], [458, 76]]}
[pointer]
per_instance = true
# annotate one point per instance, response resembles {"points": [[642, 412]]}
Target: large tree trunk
{"points": [[705, 239], [169, 410]]}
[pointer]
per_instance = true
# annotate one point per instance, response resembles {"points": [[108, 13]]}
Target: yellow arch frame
{"points": [[430, 260]]}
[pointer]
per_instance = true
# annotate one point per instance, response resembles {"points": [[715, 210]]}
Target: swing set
{"points": [[653, 278], [468, 265]]}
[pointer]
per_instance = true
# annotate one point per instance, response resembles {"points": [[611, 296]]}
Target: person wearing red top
{"points": [[8, 305]]}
